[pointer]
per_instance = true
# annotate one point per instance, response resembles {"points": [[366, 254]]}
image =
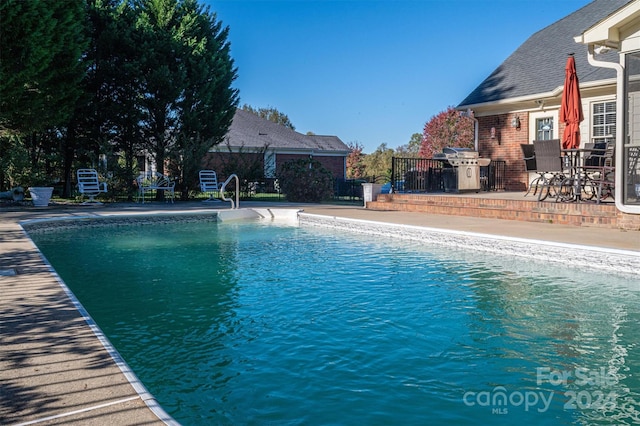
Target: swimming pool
{"points": [[241, 323]]}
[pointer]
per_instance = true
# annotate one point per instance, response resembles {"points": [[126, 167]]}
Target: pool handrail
{"points": [[224, 187]]}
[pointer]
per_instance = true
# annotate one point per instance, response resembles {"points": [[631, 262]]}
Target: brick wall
{"points": [[577, 214], [505, 146], [334, 164], [217, 160]]}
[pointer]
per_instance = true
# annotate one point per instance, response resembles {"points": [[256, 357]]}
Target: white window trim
{"points": [[586, 128], [535, 115]]}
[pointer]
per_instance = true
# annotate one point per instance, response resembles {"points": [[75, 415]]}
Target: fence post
{"points": [[393, 175]]}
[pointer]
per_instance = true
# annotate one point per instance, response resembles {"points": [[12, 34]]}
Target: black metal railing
{"points": [[423, 175], [493, 176], [347, 189]]}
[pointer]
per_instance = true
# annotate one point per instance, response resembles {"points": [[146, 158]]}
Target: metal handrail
{"points": [[224, 187]]}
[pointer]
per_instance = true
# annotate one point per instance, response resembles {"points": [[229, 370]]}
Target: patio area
{"points": [[511, 206]]}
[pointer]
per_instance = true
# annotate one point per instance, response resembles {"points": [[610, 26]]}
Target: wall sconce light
{"points": [[494, 137], [515, 122]]}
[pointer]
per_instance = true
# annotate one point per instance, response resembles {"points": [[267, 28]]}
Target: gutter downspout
{"points": [[619, 147], [469, 113]]}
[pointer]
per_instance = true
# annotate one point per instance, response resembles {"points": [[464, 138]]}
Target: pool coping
{"points": [[128, 407]]}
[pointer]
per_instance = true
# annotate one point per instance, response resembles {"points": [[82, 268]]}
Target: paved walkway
{"points": [[53, 369]]}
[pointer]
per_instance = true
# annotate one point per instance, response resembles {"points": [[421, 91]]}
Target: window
{"points": [[604, 122], [544, 128], [542, 125], [269, 164]]}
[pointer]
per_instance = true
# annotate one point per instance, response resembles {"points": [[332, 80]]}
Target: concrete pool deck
{"points": [[53, 368]]}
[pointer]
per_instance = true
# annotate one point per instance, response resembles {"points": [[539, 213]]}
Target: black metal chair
{"points": [[599, 170], [529, 158]]}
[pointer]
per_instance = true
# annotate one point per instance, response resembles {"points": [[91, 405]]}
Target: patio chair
{"points": [[209, 184], [89, 185], [549, 164], [600, 171], [529, 158], [598, 154]]}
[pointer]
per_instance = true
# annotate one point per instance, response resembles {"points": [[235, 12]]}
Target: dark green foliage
{"points": [[109, 122], [82, 80], [40, 67], [186, 73], [305, 181]]}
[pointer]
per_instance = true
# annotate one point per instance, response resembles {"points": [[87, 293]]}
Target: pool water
{"points": [[253, 323]]}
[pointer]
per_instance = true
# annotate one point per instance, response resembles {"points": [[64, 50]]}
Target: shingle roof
{"points": [[250, 131], [537, 66]]}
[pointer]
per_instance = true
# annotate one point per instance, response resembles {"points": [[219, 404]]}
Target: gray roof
{"points": [[250, 131], [537, 66]]}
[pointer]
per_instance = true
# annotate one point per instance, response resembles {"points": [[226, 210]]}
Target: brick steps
{"points": [[494, 207]]}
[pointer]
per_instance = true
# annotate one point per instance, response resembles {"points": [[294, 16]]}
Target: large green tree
{"points": [[107, 120], [187, 102], [41, 67], [209, 102]]}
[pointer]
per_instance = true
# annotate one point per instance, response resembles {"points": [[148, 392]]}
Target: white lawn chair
{"points": [[89, 185], [209, 184]]}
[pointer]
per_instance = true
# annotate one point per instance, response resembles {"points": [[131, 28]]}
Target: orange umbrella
{"points": [[571, 107]]}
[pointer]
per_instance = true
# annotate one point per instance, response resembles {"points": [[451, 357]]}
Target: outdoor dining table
{"points": [[573, 161]]}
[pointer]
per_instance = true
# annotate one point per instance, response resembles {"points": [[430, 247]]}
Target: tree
{"points": [[305, 181], [270, 114], [355, 161], [411, 149], [108, 122], [378, 164], [187, 101], [209, 102], [40, 70], [42, 47], [447, 129]]}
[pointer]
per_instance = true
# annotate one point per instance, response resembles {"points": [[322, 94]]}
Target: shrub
{"points": [[306, 181]]}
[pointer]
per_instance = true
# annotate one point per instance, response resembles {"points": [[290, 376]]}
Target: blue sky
{"points": [[373, 71]]}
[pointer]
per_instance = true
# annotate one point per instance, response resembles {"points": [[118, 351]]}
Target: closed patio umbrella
{"points": [[571, 106]]}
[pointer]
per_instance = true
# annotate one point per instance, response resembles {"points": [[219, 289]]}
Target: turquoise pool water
{"points": [[253, 323]]}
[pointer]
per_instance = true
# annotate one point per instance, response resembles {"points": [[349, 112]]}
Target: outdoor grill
{"points": [[464, 166]]}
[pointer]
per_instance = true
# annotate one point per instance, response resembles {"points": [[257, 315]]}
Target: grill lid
{"points": [[450, 153]]}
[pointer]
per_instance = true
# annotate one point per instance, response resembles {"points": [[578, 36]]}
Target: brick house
{"points": [[519, 102], [271, 144]]}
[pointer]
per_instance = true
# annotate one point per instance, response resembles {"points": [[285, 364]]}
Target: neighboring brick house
{"points": [[519, 102], [272, 144]]}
